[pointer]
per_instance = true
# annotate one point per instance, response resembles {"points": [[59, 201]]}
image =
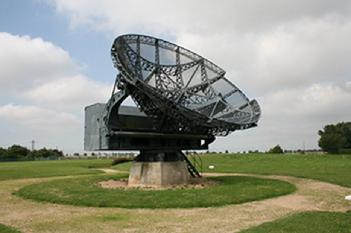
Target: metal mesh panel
{"points": [[174, 77]]}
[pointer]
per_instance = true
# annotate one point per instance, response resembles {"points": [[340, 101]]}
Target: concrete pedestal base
{"points": [[158, 174]]}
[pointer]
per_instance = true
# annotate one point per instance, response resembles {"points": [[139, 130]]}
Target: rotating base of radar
{"points": [[161, 168], [158, 174]]}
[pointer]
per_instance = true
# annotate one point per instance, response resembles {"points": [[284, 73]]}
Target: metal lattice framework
{"points": [[185, 92]]}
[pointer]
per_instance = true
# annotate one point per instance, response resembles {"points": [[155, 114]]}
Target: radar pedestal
{"points": [[158, 168]]}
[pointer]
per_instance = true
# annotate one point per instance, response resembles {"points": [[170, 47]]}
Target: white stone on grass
{"points": [[348, 198], [211, 167]]}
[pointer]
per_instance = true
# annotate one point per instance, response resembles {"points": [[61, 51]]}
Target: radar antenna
{"points": [[183, 102]]}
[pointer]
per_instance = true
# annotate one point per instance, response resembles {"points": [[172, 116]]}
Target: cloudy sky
{"points": [[294, 57]]}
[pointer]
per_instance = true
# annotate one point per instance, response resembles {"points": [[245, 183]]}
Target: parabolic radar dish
{"points": [[183, 102], [184, 91]]}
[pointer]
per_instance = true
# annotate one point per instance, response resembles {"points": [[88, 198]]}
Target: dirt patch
{"points": [[114, 184], [293, 202], [198, 183], [110, 171]]}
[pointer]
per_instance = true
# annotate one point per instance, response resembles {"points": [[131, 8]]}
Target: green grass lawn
{"points": [[331, 168], [32, 169], [123, 166], [84, 191], [6, 229], [307, 222]]}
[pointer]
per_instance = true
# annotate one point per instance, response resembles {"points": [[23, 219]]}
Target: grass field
{"points": [[331, 168], [6, 229], [33, 169], [86, 192], [328, 168], [307, 222]]}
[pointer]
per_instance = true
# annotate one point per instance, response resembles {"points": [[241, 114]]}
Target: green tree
{"points": [[3, 152], [276, 150], [46, 153], [17, 151], [333, 138]]}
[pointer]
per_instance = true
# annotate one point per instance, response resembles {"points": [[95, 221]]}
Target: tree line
{"points": [[336, 138], [17, 152]]}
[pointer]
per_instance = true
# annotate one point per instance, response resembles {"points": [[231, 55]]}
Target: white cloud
{"points": [[305, 52], [43, 93], [37, 118], [26, 61], [73, 92], [198, 16], [314, 104], [263, 45], [49, 128], [292, 117], [44, 73], [294, 54]]}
